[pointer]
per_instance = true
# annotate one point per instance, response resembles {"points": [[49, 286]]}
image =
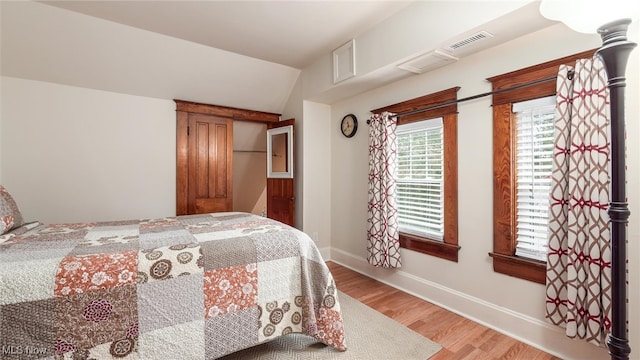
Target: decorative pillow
{"points": [[10, 216]]}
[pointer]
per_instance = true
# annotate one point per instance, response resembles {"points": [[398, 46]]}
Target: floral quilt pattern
{"points": [[187, 287]]}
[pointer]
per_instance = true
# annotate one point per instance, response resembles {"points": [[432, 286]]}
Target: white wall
{"points": [[293, 110], [312, 166], [74, 154], [471, 287], [317, 172]]}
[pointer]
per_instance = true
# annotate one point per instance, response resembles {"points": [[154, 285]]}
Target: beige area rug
{"points": [[370, 336]]}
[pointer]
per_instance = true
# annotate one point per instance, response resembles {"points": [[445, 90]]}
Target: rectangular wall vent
{"points": [[428, 61], [344, 62], [482, 35]]}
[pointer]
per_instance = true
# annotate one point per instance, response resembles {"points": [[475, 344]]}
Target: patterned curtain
{"points": [[383, 242], [578, 286]]}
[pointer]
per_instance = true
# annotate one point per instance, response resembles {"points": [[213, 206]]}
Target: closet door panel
{"points": [[208, 153]]}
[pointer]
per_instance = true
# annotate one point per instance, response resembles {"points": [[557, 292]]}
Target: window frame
{"points": [[504, 187], [445, 106]]}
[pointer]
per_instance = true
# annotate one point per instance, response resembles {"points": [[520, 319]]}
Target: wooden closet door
{"points": [[207, 160], [281, 192], [281, 200]]}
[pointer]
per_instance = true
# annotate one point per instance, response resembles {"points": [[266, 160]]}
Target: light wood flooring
{"points": [[461, 338]]}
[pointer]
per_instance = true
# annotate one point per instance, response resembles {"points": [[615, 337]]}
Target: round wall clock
{"points": [[349, 125]]}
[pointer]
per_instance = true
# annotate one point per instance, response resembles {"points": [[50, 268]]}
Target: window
{"points": [[419, 179], [519, 182], [534, 158], [427, 177]]}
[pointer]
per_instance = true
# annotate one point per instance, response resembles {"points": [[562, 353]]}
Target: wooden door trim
{"points": [[182, 162], [227, 112]]}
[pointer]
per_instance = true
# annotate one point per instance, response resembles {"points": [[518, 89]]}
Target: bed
{"points": [[187, 287]]}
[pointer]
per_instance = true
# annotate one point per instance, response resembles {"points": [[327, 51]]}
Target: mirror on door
{"points": [[280, 152]]}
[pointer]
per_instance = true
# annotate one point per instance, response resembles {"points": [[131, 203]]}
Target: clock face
{"points": [[349, 125]]}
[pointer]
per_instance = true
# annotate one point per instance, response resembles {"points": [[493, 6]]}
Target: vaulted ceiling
{"points": [[292, 33], [247, 54]]}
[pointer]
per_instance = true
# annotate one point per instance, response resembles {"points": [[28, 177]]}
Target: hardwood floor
{"points": [[461, 338]]}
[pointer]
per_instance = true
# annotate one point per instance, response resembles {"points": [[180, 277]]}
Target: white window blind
{"points": [[534, 153], [419, 177]]}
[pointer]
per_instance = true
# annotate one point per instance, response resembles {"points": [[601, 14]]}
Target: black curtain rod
{"points": [[535, 82]]}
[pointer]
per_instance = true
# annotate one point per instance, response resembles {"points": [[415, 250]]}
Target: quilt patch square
{"points": [[184, 341], [315, 279], [280, 318], [23, 250], [230, 289], [159, 225], [82, 273], [230, 218], [168, 262], [198, 220], [109, 234], [278, 279], [89, 248], [27, 284], [206, 233], [259, 225], [220, 254], [60, 232], [97, 317], [218, 231], [308, 248], [173, 301], [26, 329], [153, 239], [231, 332], [276, 245], [73, 230], [332, 328]]}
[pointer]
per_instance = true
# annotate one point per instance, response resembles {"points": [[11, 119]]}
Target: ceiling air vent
{"points": [[482, 35], [428, 61]]}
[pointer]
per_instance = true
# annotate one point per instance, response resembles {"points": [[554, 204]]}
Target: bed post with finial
{"points": [[614, 53]]}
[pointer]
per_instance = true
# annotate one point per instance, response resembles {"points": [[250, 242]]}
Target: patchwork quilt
{"points": [[187, 287]]}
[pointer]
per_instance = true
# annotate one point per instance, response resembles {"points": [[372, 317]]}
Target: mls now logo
{"points": [[19, 350]]}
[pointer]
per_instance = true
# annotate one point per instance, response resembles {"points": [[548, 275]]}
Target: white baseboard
{"points": [[531, 331]]}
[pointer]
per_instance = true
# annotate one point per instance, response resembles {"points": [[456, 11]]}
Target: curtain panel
{"points": [[383, 244], [578, 286]]}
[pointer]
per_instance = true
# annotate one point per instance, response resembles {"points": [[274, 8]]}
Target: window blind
{"points": [[420, 178], [534, 156]]}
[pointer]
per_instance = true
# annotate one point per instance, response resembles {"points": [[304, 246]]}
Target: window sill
{"points": [[519, 267], [429, 247]]}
